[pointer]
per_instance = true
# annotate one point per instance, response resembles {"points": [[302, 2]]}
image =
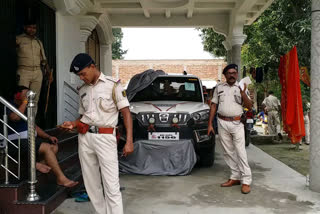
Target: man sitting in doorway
{"points": [[46, 145]]}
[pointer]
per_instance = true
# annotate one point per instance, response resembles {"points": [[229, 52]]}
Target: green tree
{"points": [[117, 52], [284, 24], [212, 42]]}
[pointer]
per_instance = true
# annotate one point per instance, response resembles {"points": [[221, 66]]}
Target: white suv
{"points": [[172, 108]]}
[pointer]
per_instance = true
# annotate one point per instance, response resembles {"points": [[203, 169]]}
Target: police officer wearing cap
{"points": [[230, 100], [101, 99], [30, 55]]}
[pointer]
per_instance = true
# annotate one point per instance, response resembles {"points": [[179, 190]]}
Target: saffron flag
{"points": [[291, 101], [304, 75]]}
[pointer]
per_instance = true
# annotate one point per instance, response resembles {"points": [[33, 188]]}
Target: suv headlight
{"points": [[200, 115], [152, 120]]}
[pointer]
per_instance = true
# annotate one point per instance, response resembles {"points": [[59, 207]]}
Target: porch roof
{"points": [[222, 15]]}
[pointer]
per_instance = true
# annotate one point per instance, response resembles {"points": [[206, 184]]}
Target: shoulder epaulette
{"points": [[112, 79], [79, 87], [220, 83]]}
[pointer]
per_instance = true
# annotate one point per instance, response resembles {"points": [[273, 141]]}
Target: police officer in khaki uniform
{"points": [[272, 107], [101, 99], [30, 55], [230, 100]]}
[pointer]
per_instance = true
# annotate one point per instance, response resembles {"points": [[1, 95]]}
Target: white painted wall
{"points": [[68, 45]]}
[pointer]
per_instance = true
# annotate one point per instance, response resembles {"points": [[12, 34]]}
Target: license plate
{"points": [[249, 120], [163, 135]]}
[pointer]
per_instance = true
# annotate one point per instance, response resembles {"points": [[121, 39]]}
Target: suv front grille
{"points": [[163, 118]]}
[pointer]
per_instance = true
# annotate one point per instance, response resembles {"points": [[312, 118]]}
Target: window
{"points": [[171, 88]]}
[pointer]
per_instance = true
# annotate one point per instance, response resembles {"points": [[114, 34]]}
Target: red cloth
{"points": [[82, 127], [291, 101]]}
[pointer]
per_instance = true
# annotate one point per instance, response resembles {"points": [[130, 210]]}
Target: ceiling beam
{"points": [[220, 22], [132, 5], [144, 8], [190, 9], [168, 13], [262, 2], [245, 5], [215, 5], [168, 4], [257, 14], [255, 8]]}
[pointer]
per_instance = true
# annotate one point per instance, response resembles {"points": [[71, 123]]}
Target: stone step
{"points": [[69, 160], [13, 195], [51, 195]]}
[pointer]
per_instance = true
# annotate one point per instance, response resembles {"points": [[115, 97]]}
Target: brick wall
{"points": [[204, 69]]}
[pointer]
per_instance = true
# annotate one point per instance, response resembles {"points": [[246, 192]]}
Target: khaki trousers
{"points": [[31, 80], [98, 153], [232, 139], [273, 123]]}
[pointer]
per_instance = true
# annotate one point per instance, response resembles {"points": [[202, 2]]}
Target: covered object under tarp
{"points": [[142, 80], [160, 158]]}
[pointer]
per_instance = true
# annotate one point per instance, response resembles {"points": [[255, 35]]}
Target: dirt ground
{"points": [[284, 152]]}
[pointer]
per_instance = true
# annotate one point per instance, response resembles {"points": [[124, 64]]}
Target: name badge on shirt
{"points": [[124, 94]]}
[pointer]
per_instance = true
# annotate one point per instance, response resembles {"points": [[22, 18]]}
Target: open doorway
{"points": [[14, 15]]}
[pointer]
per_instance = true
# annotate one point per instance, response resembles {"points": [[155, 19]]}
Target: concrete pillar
{"points": [[315, 98], [106, 59], [228, 47], [87, 25], [236, 43], [236, 57], [84, 34], [229, 56], [82, 46]]}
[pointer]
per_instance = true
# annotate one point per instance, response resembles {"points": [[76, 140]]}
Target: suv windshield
{"points": [[171, 88]]}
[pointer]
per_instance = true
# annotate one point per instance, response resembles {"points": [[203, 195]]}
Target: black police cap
{"points": [[230, 66], [81, 61]]}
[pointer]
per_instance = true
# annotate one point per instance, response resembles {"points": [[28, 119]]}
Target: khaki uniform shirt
{"points": [[271, 102], [30, 51], [229, 99], [96, 103]]}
